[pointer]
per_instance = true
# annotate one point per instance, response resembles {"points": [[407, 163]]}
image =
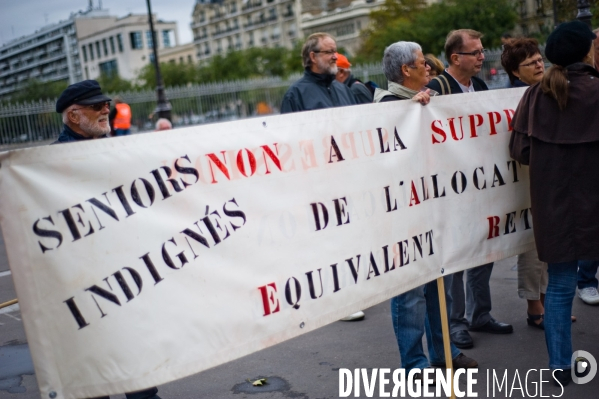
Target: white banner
{"points": [[144, 259]]}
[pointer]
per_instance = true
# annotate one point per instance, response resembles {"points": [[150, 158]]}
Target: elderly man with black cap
{"points": [[556, 132], [84, 112]]}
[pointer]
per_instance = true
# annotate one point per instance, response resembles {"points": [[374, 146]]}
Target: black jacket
{"points": [[562, 149], [361, 92], [67, 135], [479, 84], [316, 91]]}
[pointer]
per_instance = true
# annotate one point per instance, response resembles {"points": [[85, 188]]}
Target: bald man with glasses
{"points": [[318, 89]]}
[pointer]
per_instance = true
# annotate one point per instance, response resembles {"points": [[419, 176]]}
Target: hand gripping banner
{"points": [[144, 259]]}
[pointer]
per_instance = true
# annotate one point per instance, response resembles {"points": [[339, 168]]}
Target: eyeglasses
{"points": [[474, 53], [327, 52], [96, 107], [532, 63]]}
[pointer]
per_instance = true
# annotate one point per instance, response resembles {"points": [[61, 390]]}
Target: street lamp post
{"points": [[584, 12], [163, 107]]}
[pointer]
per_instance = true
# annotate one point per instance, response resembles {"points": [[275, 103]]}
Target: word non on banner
{"points": [[144, 259]]}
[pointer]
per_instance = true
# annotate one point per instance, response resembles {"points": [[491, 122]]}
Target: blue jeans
{"points": [[413, 313], [587, 271], [122, 132], [558, 309]]}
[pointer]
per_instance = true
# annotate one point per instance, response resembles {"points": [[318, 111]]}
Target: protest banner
{"points": [[144, 259]]}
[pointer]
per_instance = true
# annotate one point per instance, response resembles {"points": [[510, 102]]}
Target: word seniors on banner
{"points": [[143, 259]]}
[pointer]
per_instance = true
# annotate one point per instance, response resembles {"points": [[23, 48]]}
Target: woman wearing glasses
{"points": [[523, 62], [407, 73], [556, 132]]}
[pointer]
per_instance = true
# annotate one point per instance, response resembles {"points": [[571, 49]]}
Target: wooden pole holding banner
{"points": [[445, 327], [11, 302]]}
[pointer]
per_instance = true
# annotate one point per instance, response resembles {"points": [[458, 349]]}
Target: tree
{"points": [[35, 90], [391, 23], [114, 84], [409, 20]]}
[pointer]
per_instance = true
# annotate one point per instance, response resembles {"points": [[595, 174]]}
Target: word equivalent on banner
{"points": [[144, 259]]}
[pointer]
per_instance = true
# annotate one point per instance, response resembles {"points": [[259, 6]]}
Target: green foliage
{"points": [[34, 90], [411, 20], [114, 84], [244, 64]]}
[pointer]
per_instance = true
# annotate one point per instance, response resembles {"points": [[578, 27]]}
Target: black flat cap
{"points": [[569, 43], [85, 93]]}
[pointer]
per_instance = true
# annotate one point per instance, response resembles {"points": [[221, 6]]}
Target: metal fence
{"points": [[34, 123]]}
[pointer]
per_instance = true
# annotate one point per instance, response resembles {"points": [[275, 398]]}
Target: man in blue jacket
{"points": [[318, 89]]}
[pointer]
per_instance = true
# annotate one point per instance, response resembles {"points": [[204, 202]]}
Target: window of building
{"points": [[111, 39], [136, 41], [91, 51], [181, 60], [189, 59], [166, 38], [149, 39], [152, 57], [98, 52], [233, 7], [119, 42], [105, 45], [86, 73], [84, 50], [109, 68]]}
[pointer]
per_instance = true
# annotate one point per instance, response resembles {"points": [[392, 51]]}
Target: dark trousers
{"points": [[472, 307], [145, 394]]}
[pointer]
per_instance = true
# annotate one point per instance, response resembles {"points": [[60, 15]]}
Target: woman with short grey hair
{"points": [[407, 72]]}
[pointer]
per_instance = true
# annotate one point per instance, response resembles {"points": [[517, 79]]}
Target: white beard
{"points": [[329, 69], [93, 128]]}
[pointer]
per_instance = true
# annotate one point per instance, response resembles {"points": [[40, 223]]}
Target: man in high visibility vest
{"points": [[120, 117]]}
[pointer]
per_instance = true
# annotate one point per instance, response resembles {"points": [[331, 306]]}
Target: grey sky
{"points": [[22, 17]]}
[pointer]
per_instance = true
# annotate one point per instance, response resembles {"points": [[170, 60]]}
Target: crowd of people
{"points": [[562, 151], [555, 131]]}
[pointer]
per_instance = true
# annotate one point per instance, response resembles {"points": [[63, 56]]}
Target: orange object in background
{"points": [[263, 109], [122, 120]]}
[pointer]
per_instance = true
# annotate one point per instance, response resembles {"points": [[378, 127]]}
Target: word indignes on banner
{"points": [[173, 252]]}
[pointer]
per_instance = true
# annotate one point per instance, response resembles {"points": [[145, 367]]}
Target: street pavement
{"points": [[308, 366]]}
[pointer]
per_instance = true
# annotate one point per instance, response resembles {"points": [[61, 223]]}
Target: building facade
{"points": [[344, 22], [84, 46], [181, 54], [227, 25], [48, 55], [536, 17], [122, 46]]}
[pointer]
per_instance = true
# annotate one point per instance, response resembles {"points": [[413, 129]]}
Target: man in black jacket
{"points": [[470, 310], [344, 75], [465, 57], [318, 89], [85, 112]]}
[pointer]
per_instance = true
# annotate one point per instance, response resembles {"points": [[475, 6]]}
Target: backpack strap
{"points": [[443, 84]]}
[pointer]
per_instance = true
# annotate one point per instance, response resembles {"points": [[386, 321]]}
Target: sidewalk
{"points": [[308, 366]]}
